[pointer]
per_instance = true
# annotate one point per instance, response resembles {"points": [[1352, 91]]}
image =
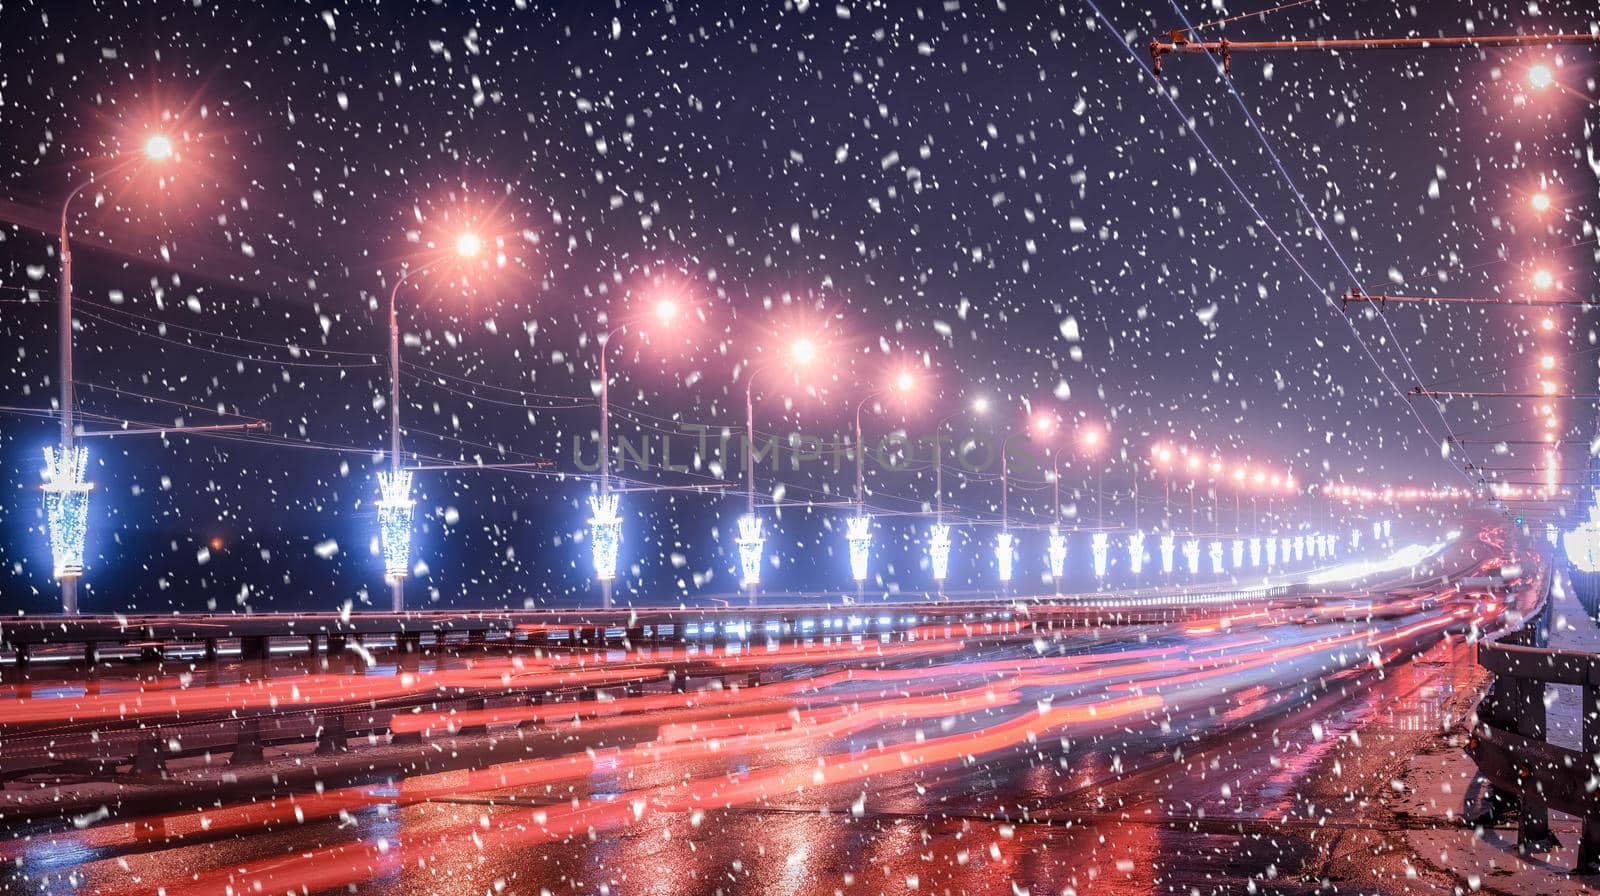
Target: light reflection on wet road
{"points": [[1154, 761]]}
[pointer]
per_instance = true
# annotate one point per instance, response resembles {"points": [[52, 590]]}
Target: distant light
{"points": [[939, 552], [904, 381], [158, 147], [468, 244], [980, 405], [1543, 279], [1547, 362], [1540, 76], [1540, 202], [666, 310], [1549, 324]]}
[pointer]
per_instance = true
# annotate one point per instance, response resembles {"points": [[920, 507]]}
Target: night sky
{"points": [[994, 195]]}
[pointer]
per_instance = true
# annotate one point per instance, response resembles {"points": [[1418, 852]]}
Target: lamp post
{"points": [[606, 524], [801, 352], [67, 493], [939, 538], [395, 505], [860, 535]]}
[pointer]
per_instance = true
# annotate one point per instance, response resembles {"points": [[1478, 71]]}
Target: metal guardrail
{"points": [[1525, 772]]}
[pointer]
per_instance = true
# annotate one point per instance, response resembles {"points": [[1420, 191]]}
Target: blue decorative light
{"points": [[1058, 554], [1099, 547], [939, 551], [1255, 552], [1191, 555], [750, 543], [605, 535], [1377, 530], [1004, 554], [1272, 552], [858, 532], [66, 508], [394, 522], [1169, 544], [1286, 549], [1299, 548], [1238, 553], [1136, 552]]}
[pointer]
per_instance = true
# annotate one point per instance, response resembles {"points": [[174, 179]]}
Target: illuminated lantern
{"points": [[1238, 553], [1286, 549], [66, 508], [1136, 552], [1216, 557], [1377, 530], [1168, 546], [1355, 539], [605, 536], [1255, 552], [1099, 547], [939, 552], [1191, 555], [858, 532], [750, 542], [1386, 529], [1272, 552], [394, 522], [1004, 554], [1299, 548], [1058, 554]]}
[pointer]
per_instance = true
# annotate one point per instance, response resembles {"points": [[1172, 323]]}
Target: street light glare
{"points": [[980, 405], [468, 244], [666, 310], [158, 147], [905, 381], [803, 351], [1543, 279], [1540, 202], [1540, 76]]}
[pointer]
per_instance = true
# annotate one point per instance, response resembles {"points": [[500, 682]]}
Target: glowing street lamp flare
{"points": [[1058, 555], [1169, 546], [158, 147], [858, 532], [395, 509], [750, 542], [468, 244], [1540, 76], [66, 507], [939, 552], [1099, 548], [803, 351], [1136, 552], [605, 535], [1004, 554], [1540, 202], [1543, 279]]}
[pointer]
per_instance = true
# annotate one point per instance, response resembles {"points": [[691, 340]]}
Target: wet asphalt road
{"points": [[1247, 758]]}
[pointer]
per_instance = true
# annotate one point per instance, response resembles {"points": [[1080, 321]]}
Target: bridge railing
{"points": [[1525, 772]]}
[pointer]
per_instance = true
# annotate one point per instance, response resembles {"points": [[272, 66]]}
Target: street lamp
{"points": [[606, 525], [859, 528], [939, 537], [66, 490], [802, 352], [395, 504], [1540, 76]]}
